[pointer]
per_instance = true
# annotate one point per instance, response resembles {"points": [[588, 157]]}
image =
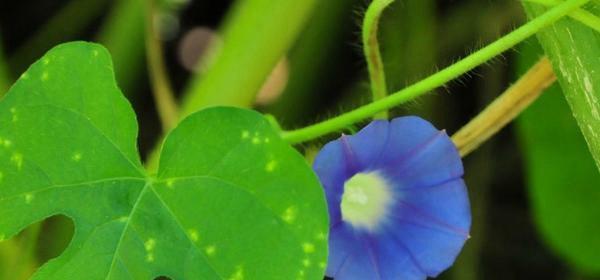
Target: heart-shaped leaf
{"points": [[231, 200]]}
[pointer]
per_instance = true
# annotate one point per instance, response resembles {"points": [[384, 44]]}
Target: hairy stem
{"points": [[436, 80], [372, 53], [505, 108]]}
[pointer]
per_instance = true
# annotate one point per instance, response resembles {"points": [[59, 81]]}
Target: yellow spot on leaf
{"points": [[13, 111], [17, 159], [238, 274], [271, 165], [95, 52], [255, 140], [76, 156], [245, 134], [193, 234], [170, 183], [289, 215], [308, 247], [7, 143], [2, 237], [123, 219], [45, 76], [322, 264], [150, 244], [28, 198], [150, 257], [25, 76], [306, 262], [46, 61], [210, 250]]}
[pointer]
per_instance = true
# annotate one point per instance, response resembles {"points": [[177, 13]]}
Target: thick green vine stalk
{"points": [[256, 35]]}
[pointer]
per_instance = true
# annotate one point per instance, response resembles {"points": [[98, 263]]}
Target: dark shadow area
{"points": [[34, 246]]}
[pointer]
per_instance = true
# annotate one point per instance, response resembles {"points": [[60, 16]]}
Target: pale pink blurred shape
{"points": [[195, 47], [199, 47], [275, 83]]}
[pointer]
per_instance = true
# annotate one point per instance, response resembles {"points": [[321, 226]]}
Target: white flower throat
{"points": [[365, 200]]}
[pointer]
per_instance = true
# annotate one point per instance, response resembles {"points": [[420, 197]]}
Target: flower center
{"points": [[365, 200]]}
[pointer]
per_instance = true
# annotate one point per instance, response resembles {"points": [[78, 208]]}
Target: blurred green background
{"points": [[534, 208]]}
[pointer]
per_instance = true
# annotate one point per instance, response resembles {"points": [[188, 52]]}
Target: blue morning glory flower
{"points": [[397, 203]]}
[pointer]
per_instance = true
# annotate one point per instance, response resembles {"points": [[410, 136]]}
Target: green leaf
{"points": [[564, 184], [231, 200], [574, 50]]}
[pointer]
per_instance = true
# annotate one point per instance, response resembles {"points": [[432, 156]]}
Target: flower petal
{"points": [[447, 203], [332, 172], [342, 245], [339, 160], [417, 155], [433, 224], [394, 260], [429, 219], [355, 255], [367, 145]]}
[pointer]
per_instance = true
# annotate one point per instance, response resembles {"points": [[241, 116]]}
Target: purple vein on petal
{"points": [[339, 269], [385, 143], [441, 183], [417, 150], [412, 257], [432, 219], [422, 225], [369, 249], [335, 225], [351, 163]]}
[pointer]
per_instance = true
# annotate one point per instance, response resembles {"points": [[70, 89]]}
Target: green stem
{"points": [[312, 61], [256, 35], [578, 14], [505, 108], [436, 80], [161, 86], [372, 53]]}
